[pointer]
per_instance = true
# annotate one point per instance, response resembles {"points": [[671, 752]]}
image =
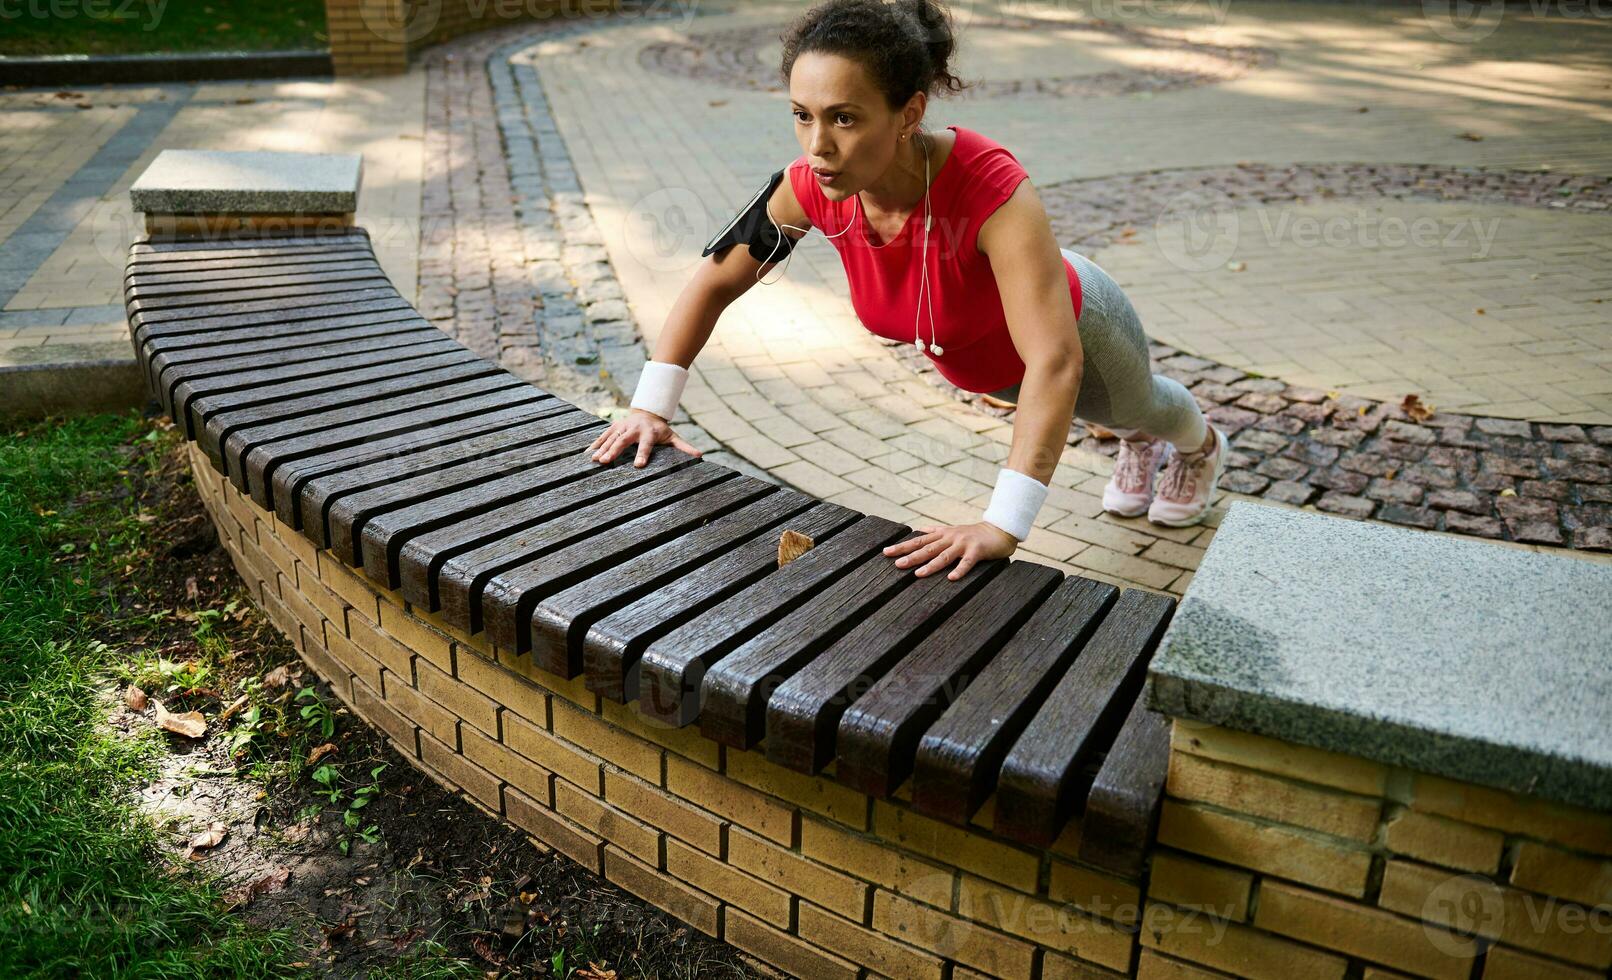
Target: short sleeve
{"points": [[993, 178]]}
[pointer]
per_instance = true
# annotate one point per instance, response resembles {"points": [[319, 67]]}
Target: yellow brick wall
{"points": [[377, 37], [1277, 861], [799, 871]]}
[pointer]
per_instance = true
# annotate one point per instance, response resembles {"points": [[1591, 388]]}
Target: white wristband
{"points": [[1015, 502], [660, 386]]}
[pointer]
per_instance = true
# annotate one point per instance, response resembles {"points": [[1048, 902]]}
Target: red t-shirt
{"points": [[970, 325]]}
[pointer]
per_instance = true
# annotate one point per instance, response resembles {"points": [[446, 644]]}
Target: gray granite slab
{"points": [[248, 182], [1446, 655]]}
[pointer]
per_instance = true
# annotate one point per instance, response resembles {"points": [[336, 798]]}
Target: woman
{"points": [[945, 221]]}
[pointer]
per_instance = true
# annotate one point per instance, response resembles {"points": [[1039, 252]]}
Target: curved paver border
{"points": [[730, 57]]}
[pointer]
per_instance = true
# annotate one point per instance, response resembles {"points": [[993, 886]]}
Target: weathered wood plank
{"points": [[613, 644], [1122, 805], [279, 384], [276, 367], [509, 596], [802, 716], [738, 688], [357, 434], [673, 667], [560, 621], [960, 755], [387, 381], [420, 560], [283, 483], [1079, 718], [356, 488], [176, 358], [462, 579], [878, 733]]}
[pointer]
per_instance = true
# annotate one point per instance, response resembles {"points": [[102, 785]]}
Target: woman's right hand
{"points": [[637, 428]]}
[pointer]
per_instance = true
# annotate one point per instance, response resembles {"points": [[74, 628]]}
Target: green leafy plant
{"points": [[317, 714]]}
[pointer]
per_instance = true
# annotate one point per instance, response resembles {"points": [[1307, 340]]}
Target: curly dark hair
{"points": [[906, 45]]}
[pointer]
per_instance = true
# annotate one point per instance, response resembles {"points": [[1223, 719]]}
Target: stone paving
{"points": [[66, 164], [551, 185]]}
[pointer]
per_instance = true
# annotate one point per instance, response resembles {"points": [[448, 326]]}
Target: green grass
{"points": [[36, 27], [82, 891]]}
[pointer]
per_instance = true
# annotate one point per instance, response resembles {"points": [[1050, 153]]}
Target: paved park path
{"points": [[1317, 208]]}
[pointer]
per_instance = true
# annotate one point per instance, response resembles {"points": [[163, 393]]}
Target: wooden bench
{"points": [[315, 388]]}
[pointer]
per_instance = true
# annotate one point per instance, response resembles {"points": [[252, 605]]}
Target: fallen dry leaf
{"points": [[191, 591], [272, 881], [319, 752], [190, 724], [277, 677], [209, 838], [1508, 492], [594, 971], [1413, 406], [296, 833], [791, 545], [136, 699]]}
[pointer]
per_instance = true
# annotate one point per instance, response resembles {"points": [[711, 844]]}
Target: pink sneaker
{"points": [[1187, 486], [1130, 489]]}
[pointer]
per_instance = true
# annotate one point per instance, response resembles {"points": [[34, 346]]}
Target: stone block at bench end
{"points": [[1444, 655], [245, 182]]}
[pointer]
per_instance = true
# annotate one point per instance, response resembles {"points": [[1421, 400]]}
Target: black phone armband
{"points": [[753, 227]]}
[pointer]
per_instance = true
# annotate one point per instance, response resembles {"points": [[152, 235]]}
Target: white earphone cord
{"points": [[925, 298]]}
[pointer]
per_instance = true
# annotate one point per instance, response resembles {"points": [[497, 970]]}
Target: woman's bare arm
{"points": [[720, 279]]}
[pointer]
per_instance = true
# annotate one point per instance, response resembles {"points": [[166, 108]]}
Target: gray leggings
{"points": [[1119, 390]]}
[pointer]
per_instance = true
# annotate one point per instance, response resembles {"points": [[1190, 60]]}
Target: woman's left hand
{"points": [[940, 545]]}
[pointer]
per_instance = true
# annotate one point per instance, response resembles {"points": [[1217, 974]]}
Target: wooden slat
{"points": [[278, 384], [138, 271], [233, 275], [348, 435], [613, 644], [206, 295], [673, 667], [275, 367], [462, 579], [144, 315], [292, 401], [737, 689], [1122, 805], [528, 439], [421, 558], [803, 714], [1079, 718], [385, 533], [878, 734], [960, 755], [146, 324], [362, 445], [176, 360], [560, 621], [509, 597], [265, 245]]}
